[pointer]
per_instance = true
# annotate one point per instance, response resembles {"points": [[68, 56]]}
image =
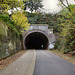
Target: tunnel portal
{"points": [[36, 40]]}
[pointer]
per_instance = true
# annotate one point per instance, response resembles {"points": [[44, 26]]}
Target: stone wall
{"points": [[43, 27], [10, 42]]}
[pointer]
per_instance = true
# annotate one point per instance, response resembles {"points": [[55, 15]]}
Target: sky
{"points": [[52, 5]]}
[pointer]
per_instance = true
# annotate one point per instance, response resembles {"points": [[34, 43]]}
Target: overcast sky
{"points": [[52, 5]]}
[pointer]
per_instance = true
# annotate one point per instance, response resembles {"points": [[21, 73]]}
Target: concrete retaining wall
{"points": [[10, 42]]}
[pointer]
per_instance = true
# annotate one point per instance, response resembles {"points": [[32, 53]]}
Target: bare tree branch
{"points": [[65, 5]]}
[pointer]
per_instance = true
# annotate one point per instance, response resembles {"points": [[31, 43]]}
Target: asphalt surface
{"points": [[50, 64], [39, 62], [22, 66]]}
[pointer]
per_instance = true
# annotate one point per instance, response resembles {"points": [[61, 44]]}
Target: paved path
{"points": [[49, 64], [46, 64], [22, 66]]}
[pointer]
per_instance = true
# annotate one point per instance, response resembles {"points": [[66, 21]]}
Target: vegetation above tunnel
{"points": [[63, 23]]}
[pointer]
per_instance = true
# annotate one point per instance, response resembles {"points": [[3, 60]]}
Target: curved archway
{"points": [[36, 40]]}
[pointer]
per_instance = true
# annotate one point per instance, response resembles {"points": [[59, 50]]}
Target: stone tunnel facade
{"points": [[38, 36]]}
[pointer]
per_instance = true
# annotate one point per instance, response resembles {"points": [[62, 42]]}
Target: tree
{"points": [[67, 6], [10, 4], [33, 5], [43, 18], [20, 20], [37, 4], [67, 28]]}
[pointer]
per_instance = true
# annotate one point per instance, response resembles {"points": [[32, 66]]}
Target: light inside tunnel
{"points": [[36, 40]]}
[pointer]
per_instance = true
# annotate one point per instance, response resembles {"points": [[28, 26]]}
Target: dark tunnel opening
{"points": [[36, 40]]}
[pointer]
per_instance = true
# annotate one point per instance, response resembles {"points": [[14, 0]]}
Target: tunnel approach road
{"points": [[50, 64], [39, 62]]}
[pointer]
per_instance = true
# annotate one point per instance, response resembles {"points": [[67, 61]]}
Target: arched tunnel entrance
{"points": [[36, 40]]}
